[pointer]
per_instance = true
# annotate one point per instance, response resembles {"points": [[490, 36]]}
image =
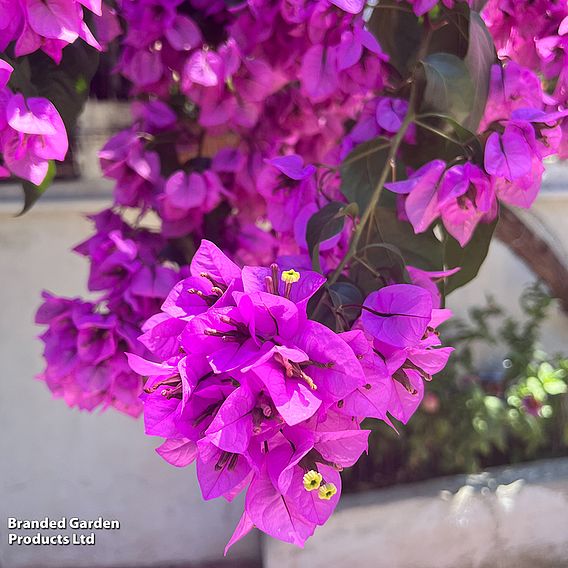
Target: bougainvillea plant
{"points": [[324, 173]]}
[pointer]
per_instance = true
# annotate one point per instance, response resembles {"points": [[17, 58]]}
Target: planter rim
{"points": [[535, 472]]}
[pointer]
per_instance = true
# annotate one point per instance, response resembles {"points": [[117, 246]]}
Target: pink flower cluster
{"points": [[84, 351], [31, 133], [86, 342], [535, 36], [182, 199], [243, 93], [267, 400], [48, 25]]}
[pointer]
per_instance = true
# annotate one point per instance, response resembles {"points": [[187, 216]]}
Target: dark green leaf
{"points": [[454, 36], [361, 170], [442, 137], [321, 309], [399, 33], [326, 223], [422, 250], [391, 245], [469, 258], [480, 57], [348, 295], [20, 79], [448, 86], [33, 192]]}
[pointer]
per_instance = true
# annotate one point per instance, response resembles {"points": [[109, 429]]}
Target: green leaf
{"points": [[20, 80], [390, 245], [442, 137], [361, 170], [399, 33], [493, 404], [469, 258], [545, 371], [453, 37], [326, 223], [448, 86], [346, 294], [33, 192], [423, 250], [534, 387], [555, 387], [481, 55]]}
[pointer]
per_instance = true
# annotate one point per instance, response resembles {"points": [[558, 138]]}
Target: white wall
{"points": [[60, 462]]}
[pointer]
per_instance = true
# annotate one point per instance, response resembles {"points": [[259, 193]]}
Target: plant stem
{"points": [[370, 211], [440, 133]]}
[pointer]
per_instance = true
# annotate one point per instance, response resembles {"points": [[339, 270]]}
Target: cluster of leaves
{"points": [[468, 420]]}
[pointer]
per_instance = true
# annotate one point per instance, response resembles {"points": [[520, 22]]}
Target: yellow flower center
{"points": [[290, 276], [327, 491], [312, 480]]}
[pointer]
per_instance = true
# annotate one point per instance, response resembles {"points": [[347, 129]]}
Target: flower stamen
{"points": [[208, 299], [289, 277], [215, 283], [312, 480], [294, 369], [327, 491]]}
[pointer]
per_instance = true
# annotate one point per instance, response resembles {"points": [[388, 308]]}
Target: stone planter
{"points": [[504, 518]]}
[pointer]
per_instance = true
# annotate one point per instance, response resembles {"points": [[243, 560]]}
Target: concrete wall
{"points": [[507, 518]]}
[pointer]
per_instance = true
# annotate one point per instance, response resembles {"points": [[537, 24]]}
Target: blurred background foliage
{"points": [[471, 420]]}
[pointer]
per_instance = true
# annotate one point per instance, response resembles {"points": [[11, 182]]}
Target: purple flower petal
{"points": [[276, 514], [244, 526], [292, 166], [508, 155], [398, 315], [350, 6], [231, 429], [183, 34], [179, 452], [319, 72], [294, 400], [338, 372], [404, 404], [216, 480], [211, 260], [5, 73]]}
